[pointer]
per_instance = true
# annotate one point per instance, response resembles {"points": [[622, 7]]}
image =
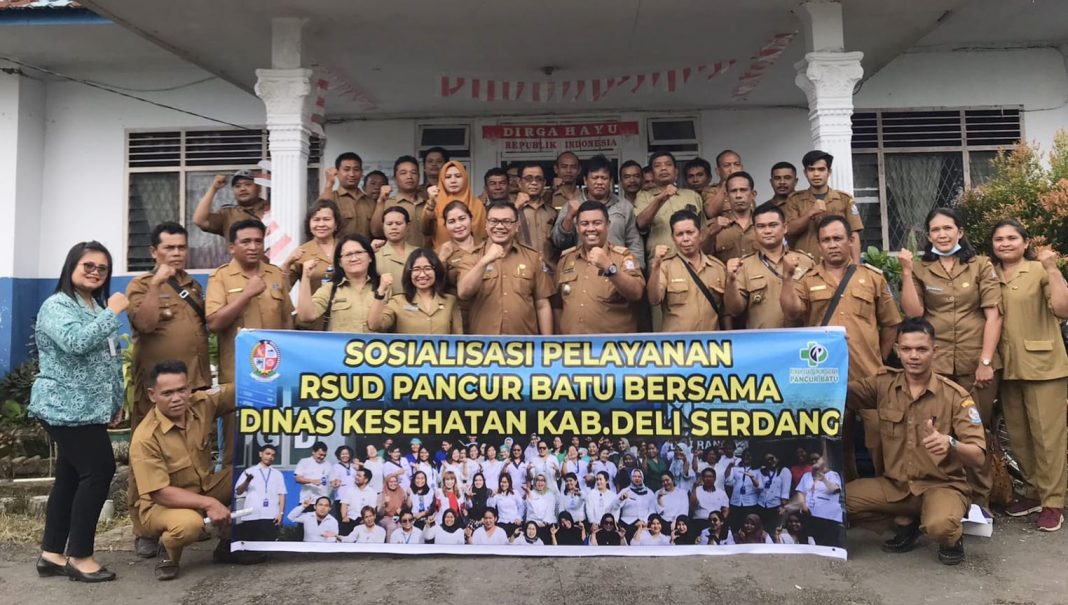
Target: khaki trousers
{"points": [[1035, 418], [873, 504], [981, 479], [180, 527]]}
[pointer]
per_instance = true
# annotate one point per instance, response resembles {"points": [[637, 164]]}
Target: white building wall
{"points": [[21, 157]]}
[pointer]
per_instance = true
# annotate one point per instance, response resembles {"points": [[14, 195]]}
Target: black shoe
{"points": [[146, 548], [904, 539], [46, 568], [223, 555], [951, 555], [166, 569], [100, 575]]}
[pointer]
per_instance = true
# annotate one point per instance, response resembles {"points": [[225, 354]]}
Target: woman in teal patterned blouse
{"points": [[78, 392]]}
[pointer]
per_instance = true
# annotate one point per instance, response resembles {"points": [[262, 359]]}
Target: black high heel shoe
{"points": [[77, 575], [46, 568]]}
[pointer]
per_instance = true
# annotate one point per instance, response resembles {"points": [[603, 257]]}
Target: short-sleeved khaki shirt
{"points": [[866, 307], [388, 260], [405, 317], [349, 310], [356, 210], [591, 302], [504, 303], [838, 202], [536, 226], [219, 221], [270, 310], [684, 305], [954, 302], [909, 466], [319, 275], [1031, 344], [179, 334], [163, 454], [735, 242], [416, 233], [760, 284], [660, 229]]}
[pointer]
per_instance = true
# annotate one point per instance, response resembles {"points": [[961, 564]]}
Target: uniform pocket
{"points": [[1038, 345], [890, 421], [677, 292], [863, 302]]}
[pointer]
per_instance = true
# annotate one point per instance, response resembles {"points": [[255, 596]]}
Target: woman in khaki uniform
{"points": [[1035, 375], [350, 292], [322, 224], [455, 254], [959, 293], [424, 307]]}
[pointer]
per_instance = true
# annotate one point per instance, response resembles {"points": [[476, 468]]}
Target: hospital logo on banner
{"points": [[265, 359]]}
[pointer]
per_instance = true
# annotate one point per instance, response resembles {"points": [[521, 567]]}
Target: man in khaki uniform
{"points": [[731, 234], [698, 174], [655, 207], [167, 317], [170, 459], [754, 282], [671, 284], [249, 204], [408, 196], [244, 293], [536, 216], [434, 159], [495, 187], [509, 286], [930, 430], [715, 195], [804, 209], [355, 206], [783, 182], [866, 309], [597, 284], [567, 169]]}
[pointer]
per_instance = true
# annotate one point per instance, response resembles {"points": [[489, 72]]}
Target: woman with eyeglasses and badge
{"points": [[322, 223], [346, 303], [407, 532], [424, 307], [77, 394]]}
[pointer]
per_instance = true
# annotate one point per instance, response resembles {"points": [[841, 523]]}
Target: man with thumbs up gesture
{"points": [[930, 430]]}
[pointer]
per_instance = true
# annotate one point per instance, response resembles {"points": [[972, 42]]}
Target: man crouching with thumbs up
{"points": [[930, 430]]}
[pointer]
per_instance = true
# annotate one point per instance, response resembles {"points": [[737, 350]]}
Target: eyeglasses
{"points": [[95, 268], [407, 520], [422, 270], [542, 449], [354, 254], [495, 222], [530, 178]]}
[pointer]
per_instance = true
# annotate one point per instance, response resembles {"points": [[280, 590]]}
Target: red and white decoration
{"points": [[761, 63], [557, 138]]}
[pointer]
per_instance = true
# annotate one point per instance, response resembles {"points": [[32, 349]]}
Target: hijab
{"points": [[393, 499], [690, 537], [465, 195], [567, 536], [757, 536], [639, 490], [456, 525]]}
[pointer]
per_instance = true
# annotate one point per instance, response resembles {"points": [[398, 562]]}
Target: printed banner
{"points": [[557, 138], [680, 444]]}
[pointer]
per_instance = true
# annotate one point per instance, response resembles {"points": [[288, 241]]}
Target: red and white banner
{"points": [[557, 138], [761, 63]]}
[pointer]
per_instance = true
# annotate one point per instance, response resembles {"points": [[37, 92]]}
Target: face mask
{"points": [[938, 252]]}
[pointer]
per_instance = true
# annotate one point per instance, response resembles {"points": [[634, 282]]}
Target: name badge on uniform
{"points": [[411, 308], [233, 290], [934, 289], [817, 288], [112, 346], [677, 279], [266, 503]]}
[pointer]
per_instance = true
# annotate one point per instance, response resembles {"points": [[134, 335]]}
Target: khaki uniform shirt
{"points": [[403, 317], [219, 221], [458, 263], [388, 261], [910, 468], [954, 304], [717, 192], [356, 210], [322, 272], [536, 226], [838, 202], [591, 302], [504, 303], [559, 198], [760, 284], [734, 242], [1031, 345], [865, 308], [348, 312], [179, 334], [417, 235], [162, 454], [685, 306], [660, 228], [270, 310]]}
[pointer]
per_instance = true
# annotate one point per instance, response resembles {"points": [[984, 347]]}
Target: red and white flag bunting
{"points": [[318, 111], [761, 63]]}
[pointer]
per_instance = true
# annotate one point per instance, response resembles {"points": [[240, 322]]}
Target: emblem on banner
{"points": [[814, 354], [264, 360]]}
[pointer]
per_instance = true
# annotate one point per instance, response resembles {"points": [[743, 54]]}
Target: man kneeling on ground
{"points": [[930, 430], [171, 462]]}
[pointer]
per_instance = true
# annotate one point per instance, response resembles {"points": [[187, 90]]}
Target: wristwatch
{"points": [[985, 362], [379, 296], [611, 270], [952, 442]]}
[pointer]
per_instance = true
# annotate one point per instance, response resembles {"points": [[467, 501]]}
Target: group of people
{"points": [[551, 493], [432, 258]]}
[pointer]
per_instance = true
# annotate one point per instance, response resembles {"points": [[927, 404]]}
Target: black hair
{"points": [[503, 204], [782, 165], [495, 171], [318, 445], [405, 159], [719, 156], [168, 227], [170, 366], [592, 206], [342, 448], [649, 169], [435, 149], [453, 205], [699, 163], [741, 174], [375, 173], [74, 257], [834, 218], [492, 510], [626, 165], [598, 163], [816, 155], [563, 153], [770, 207], [372, 268], [267, 446], [249, 223], [348, 155], [912, 325], [327, 498], [967, 251], [662, 153], [684, 215], [323, 205], [400, 210], [435, 263], [1029, 252], [523, 167], [366, 471]]}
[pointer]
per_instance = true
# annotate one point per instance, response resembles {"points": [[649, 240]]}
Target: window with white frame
{"points": [[906, 162], [454, 138], [675, 134], [169, 171]]}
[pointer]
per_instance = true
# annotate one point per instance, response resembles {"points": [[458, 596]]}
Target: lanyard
{"points": [[768, 265], [265, 479]]}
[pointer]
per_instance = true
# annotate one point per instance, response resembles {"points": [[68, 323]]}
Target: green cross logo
{"points": [[814, 354]]}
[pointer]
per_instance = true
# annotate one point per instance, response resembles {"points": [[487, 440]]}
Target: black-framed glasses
{"points": [[495, 222], [354, 254], [95, 268], [426, 269], [533, 178], [407, 519]]}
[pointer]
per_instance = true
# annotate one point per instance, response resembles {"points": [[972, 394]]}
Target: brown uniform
{"points": [[163, 454], [356, 210], [536, 220], [348, 312], [417, 231], [504, 303], [760, 285], [1034, 383], [717, 192], [915, 483], [591, 302], [559, 198], [735, 242], [684, 305], [459, 262], [388, 260], [403, 317], [838, 202], [319, 275], [660, 230], [220, 220]]}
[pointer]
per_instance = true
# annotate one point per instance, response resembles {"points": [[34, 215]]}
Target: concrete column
{"points": [[286, 93], [828, 75]]}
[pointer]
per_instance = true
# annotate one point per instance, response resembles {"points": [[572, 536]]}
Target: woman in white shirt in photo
{"points": [[572, 464], [541, 504], [638, 502], [397, 466], [649, 533], [717, 533], [489, 534], [820, 493], [449, 531], [367, 532], [745, 490], [527, 535], [449, 496], [343, 474], [546, 464], [671, 500], [492, 467], [374, 463], [793, 531], [510, 505], [407, 532], [421, 499], [775, 491], [572, 499], [426, 466], [319, 525], [453, 465], [602, 499]]}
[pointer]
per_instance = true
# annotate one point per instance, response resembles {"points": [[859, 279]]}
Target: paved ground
{"points": [[1017, 566]]}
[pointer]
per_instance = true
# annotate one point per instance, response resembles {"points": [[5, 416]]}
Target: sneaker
{"points": [[1050, 519], [904, 539], [951, 555], [1022, 507], [166, 569], [146, 548]]}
